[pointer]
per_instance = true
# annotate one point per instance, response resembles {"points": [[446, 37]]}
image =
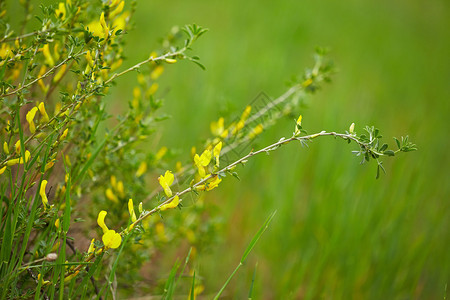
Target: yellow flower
{"points": [[27, 156], [142, 169], [60, 73], [131, 210], [49, 165], [113, 181], [172, 204], [166, 181], [104, 26], [57, 223], [41, 83], [48, 57], [216, 152], [42, 193], [202, 161], [89, 59], [120, 22], [217, 128], [120, 189], [13, 162], [60, 12], [117, 10], [111, 196], [256, 131], [161, 152], [30, 117], [238, 127], [246, 113], [101, 221], [111, 239], [156, 72], [152, 89], [210, 185], [17, 146], [41, 107], [2, 170]]}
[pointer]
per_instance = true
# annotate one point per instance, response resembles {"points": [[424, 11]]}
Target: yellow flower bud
{"points": [[352, 128], [57, 223], [41, 107], [5, 147], [91, 247], [43, 194], [27, 156], [131, 210], [13, 162], [64, 134], [2, 170], [170, 60]]}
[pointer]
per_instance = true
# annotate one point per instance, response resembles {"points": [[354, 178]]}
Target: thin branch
{"points": [[50, 71], [246, 157]]}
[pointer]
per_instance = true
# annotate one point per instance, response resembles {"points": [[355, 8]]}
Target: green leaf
{"points": [[397, 142], [389, 153]]}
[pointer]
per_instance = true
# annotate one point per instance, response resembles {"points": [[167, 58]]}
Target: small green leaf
{"points": [[389, 153]]}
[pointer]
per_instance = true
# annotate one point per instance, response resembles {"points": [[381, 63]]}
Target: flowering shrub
{"points": [[67, 162]]}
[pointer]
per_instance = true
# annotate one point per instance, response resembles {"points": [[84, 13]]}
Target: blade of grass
{"points": [[250, 293], [184, 266], [247, 252], [192, 293], [169, 287]]}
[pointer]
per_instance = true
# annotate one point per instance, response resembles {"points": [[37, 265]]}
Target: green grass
{"points": [[339, 233]]}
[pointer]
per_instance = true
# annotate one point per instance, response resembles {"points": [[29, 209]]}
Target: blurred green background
{"points": [[339, 233]]}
